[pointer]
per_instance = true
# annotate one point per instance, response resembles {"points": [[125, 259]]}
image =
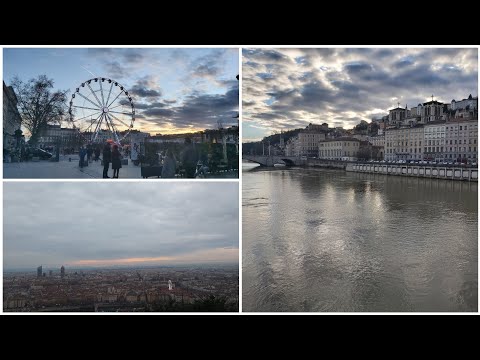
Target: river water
{"points": [[328, 240]]}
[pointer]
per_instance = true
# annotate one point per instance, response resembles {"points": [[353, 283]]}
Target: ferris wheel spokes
{"points": [[108, 97], [118, 120], [115, 132], [101, 92], [97, 127], [95, 95], [108, 115], [87, 99]]}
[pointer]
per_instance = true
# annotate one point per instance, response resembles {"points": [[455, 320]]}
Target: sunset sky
{"points": [[289, 88], [174, 90], [96, 224]]}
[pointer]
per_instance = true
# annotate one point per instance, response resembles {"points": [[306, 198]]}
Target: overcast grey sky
{"points": [[98, 224], [289, 88]]}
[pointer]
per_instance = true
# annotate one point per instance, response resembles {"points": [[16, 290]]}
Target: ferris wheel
{"points": [[101, 109]]}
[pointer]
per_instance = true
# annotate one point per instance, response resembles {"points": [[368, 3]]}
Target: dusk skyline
{"points": [[174, 90], [285, 89], [93, 224]]}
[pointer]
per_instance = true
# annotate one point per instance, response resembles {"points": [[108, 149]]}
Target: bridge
{"points": [[271, 160]]}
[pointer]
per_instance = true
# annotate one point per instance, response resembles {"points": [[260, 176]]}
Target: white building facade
{"points": [[404, 143], [434, 141], [338, 149], [461, 140]]}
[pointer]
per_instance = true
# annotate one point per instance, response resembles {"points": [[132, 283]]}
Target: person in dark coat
{"points": [[89, 153], [82, 154], [189, 158], [107, 158], [116, 161], [97, 153]]}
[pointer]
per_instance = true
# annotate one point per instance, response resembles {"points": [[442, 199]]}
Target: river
{"points": [[331, 241]]}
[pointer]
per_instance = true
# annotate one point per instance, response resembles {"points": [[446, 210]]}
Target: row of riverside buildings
{"points": [[432, 131]]}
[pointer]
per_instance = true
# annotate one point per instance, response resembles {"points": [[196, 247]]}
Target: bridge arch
{"points": [[265, 160], [288, 162]]}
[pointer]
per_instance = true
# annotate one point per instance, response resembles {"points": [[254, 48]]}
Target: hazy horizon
{"points": [[33, 267]]}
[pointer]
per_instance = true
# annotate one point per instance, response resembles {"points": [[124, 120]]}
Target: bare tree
{"points": [[38, 104]]}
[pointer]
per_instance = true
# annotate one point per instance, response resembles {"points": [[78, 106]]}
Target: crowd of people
{"points": [[189, 162], [113, 156]]}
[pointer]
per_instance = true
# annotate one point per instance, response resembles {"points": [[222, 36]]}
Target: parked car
{"points": [[40, 153]]}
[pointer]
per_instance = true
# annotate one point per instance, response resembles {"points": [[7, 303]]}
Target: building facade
{"points": [[307, 140], [434, 141], [430, 111], [12, 120], [338, 149], [461, 140], [55, 134], [404, 143]]}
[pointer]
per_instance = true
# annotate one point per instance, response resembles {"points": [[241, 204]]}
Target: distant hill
{"points": [[274, 140]]}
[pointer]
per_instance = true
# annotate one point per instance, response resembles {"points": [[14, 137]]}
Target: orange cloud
{"points": [[121, 261], [203, 256]]}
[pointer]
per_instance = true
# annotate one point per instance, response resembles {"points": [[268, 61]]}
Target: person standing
{"points": [[107, 158], [189, 158], [97, 153], [169, 165], [89, 153], [116, 161], [82, 154]]}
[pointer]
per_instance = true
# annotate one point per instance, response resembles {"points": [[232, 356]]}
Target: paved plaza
{"points": [[65, 169]]}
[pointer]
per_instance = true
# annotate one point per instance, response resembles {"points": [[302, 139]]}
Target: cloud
{"points": [[197, 110], [191, 86], [111, 223], [288, 88], [146, 87]]}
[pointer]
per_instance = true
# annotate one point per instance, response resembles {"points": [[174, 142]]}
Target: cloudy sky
{"points": [[95, 224], [174, 90], [289, 88]]}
